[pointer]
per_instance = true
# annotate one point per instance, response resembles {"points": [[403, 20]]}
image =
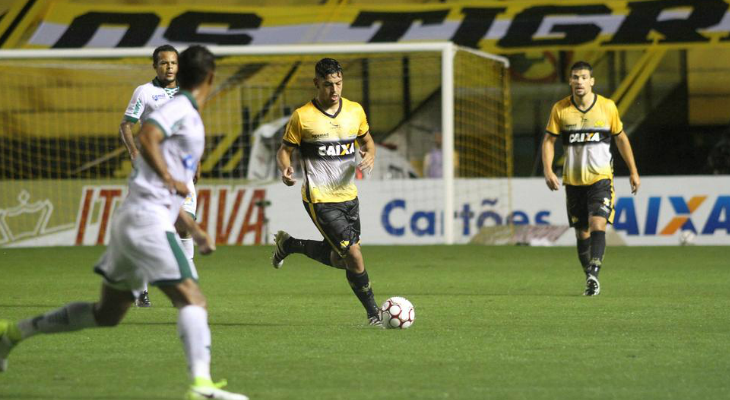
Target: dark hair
{"points": [[327, 66], [195, 64], [582, 65], [164, 47]]}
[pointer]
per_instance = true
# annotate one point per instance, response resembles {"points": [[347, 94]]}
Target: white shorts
{"points": [[190, 204], [143, 249]]}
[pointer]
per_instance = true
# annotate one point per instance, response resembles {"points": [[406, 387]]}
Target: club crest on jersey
{"points": [[336, 149], [189, 162], [584, 137]]}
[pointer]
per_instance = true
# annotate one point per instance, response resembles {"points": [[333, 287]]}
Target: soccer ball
{"points": [[397, 313]]}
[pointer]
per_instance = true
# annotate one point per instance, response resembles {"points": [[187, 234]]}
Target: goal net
{"points": [[439, 114]]}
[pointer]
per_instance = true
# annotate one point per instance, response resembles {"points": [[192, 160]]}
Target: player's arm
{"points": [[367, 152], [150, 138], [624, 147], [283, 161], [201, 238], [197, 175], [548, 154], [125, 131], [134, 111]]}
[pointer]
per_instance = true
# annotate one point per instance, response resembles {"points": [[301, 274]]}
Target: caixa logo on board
{"points": [[430, 222], [700, 214]]}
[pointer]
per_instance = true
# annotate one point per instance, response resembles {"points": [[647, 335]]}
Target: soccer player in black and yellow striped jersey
{"points": [[325, 131], [586, 122]]}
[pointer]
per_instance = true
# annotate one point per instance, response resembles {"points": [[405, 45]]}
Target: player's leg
{"points": [[345, 230], [600, 198], [107, 312], [143, 300], [575, 201], [193, 329], [318, 250], [359, 281], [186, 240], [583, 244], [190, 205]]}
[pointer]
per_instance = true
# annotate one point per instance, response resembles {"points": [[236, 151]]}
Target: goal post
{"points": [[411, 92]]}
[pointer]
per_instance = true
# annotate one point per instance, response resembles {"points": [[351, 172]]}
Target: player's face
{"points": [[166, 66], [329, 89], [581, 82]]}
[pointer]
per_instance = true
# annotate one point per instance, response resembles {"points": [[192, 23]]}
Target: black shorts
{"points": [[339, 223], [584, 202]]}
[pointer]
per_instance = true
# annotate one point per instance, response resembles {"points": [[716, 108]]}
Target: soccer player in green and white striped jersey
{"points": [[146, 99], [143, 246]]}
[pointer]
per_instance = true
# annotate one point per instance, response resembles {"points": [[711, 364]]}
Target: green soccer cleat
{"points": [[9, 337], [204, 389]]}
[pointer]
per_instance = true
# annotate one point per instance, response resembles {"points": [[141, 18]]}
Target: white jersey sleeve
{"points": [[136, 106]]}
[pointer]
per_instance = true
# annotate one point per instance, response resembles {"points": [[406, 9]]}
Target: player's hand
{"points": [[287, 176], [552, 180], [203, 241], [635, 183], [177, 187], [368, 160]]}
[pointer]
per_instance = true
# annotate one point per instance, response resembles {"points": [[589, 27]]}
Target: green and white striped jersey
{"points": [[181, 148], [146, 99]]}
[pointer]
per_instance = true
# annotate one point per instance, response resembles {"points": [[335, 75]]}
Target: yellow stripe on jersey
{"points": [[586, 137], [327, 147]]}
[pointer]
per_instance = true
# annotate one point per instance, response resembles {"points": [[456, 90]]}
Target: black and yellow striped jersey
{"points": [[327, 147], [586, 137]]}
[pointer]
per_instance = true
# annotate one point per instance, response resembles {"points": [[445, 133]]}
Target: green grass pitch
{"points": [[491, 323]]}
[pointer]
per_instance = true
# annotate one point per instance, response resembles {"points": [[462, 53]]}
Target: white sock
{"points": [[188, 248], [145, 287], [192, 326], [69, 318]]}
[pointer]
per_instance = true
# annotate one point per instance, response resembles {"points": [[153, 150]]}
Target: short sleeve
{"points": [[136, 106], [615, 120], [293, 133], [553, 125], [364, 127]]}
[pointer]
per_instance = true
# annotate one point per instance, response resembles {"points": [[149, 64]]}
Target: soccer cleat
{"points": [[143, 300], [277, 259], [209, 390], [375, 319], [593, 287], [9, 337]]}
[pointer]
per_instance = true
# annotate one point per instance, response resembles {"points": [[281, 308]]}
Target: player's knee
{"points": [[354, 250]]}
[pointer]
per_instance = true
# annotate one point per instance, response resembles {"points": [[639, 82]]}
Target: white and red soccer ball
{"points": [[397, 313]]}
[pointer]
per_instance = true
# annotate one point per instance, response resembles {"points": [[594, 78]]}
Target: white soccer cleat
{"points": [[277, 259], [212, 391], [593, 287]]}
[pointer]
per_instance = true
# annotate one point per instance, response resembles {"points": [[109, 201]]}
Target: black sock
{"points": [[598, 248], [584, 252], [360, 284], [316, 250]]}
